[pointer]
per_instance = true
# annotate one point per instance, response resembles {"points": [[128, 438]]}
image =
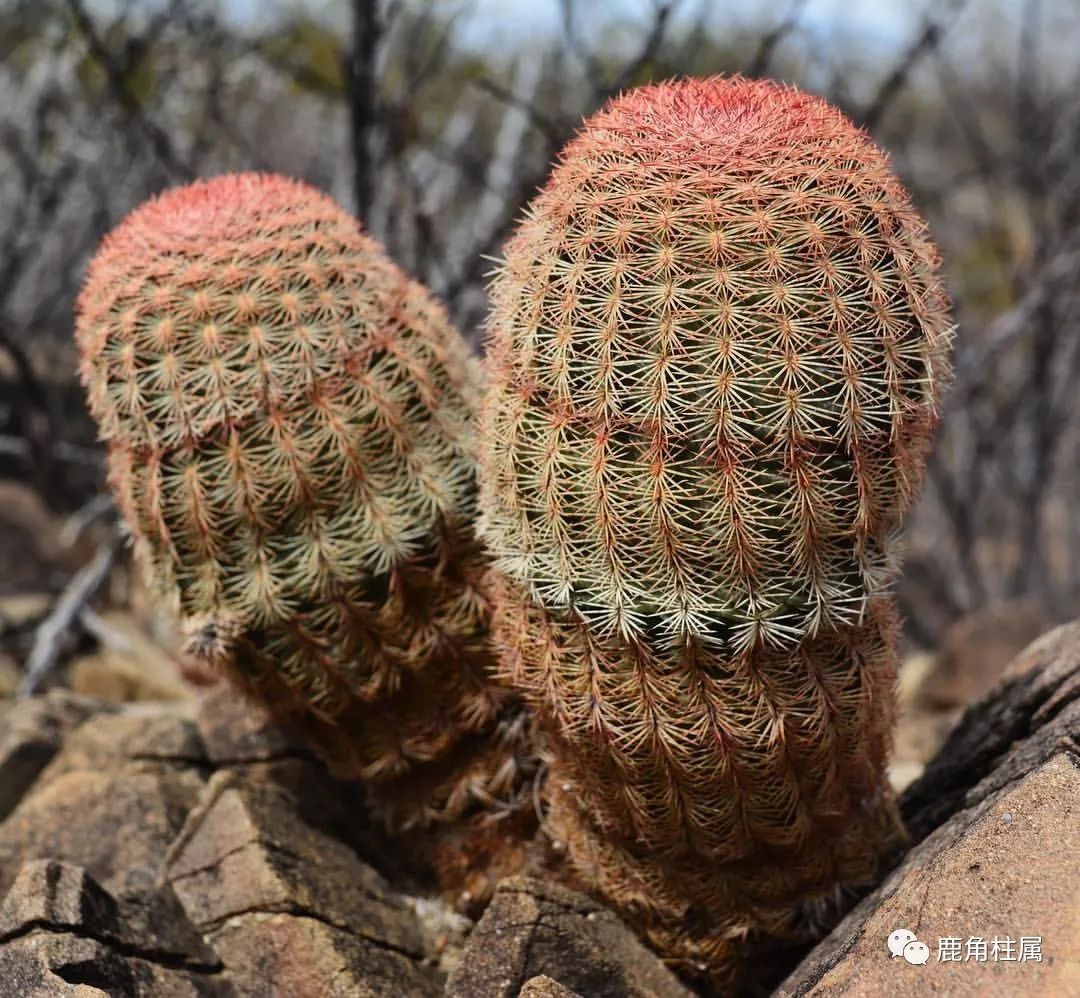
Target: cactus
{"points": [[715, 354], [288, 422]]}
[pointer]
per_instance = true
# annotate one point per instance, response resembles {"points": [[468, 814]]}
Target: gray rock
{"points": [[543, 986], [45, 964], [62, 933], [65, 898]]}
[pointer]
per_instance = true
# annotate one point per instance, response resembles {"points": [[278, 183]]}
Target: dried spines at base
{"points": [[708, 798], [288, 424], [425, 725], [745, 761], [716, 347], [724, 943]]}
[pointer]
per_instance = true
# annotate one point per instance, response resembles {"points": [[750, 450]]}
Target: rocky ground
{"points": [[189, 848]]}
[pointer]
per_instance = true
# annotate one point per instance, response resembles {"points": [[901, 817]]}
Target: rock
{"points": [[63, 898], [535, 928], [44, 964], [246, 850], [34, 558], [922, 726], [264, 886], [30, 735], [21, 612], [161, 849], [306, 958], [240, 737], [195, 849], [1030, 717], [61, 933], [236, 732], [975, 651], [1011, 875], [10, 676], [995, 832], [141, 736], [111, 801], [543, 986], [128, 666]]}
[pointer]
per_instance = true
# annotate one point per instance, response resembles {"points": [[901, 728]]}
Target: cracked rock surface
{"points": [[995, 841], [189, 849], [534, 932], [193, 849]]}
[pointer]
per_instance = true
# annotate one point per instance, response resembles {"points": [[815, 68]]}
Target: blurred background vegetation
{"points": [[435, 120]]}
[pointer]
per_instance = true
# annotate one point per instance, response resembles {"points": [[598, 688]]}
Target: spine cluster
{"points": [[289, 428], [716, 348]]}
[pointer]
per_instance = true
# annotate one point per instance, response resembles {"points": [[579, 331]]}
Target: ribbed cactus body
{"points": [[709, 796], [745, 759], [288, 421], [717, 341], [715, 353]]}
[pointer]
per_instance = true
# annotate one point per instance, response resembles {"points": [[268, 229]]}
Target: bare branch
{"points": [[55, 631], [62, 451], [490, 215], [363, 101], [550, 130], [98, 508], [649, 47], [933, 30], [117, 74], [760, 63]]}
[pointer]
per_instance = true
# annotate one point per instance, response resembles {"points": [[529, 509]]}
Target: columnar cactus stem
{"points": [[716, 349], [288, 421]]}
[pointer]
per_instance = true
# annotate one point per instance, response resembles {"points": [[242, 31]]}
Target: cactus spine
{"points": [[715, 353], [288, 422]]}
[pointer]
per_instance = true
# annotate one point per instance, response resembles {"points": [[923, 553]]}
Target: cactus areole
{"points": [[715, 354], [288, 419]]}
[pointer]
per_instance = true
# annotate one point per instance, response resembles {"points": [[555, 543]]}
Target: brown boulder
{"points": [[30, 735], [995, 825], [533, 928], [156, 850], [975, 651], [295, 956], [263, 886], [111, 801]]}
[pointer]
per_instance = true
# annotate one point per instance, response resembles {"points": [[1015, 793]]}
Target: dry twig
{"points": [[55, 631]]}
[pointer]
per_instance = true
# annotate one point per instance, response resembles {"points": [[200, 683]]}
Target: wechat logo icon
{"points": [[902, 942]]}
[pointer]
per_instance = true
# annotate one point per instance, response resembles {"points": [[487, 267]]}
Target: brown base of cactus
{"points": [[466, 860], [466, 816], [392, 686], [699, 917], [714, 801], [421, 767]]}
